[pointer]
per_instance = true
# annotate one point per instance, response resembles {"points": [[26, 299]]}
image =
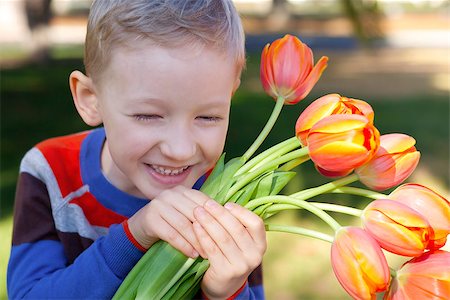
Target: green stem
{"points": [[301, 231], [393, 272], [325, 188], [275, 208], [265, 131], [273, 164], [189, 262], [338, 208], [253, 204], [294, 163], [274, 151], [359, 192]]}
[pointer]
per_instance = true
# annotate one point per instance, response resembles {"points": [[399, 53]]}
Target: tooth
{"points": [[166, 172]]}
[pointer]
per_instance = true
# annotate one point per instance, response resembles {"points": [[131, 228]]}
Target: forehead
{"points": [[145, 53], [169, 73]]}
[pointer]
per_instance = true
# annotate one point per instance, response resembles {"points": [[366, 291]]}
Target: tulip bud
{"points": [[287, 69], [434, 207], [358, 263], [340, 143], [397, 227], [331, 104], [423, 277], [394, 161]]}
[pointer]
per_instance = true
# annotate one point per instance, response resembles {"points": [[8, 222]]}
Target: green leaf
{"points": [[165, 264], [264, 186], [280, 180], [245, 194], [227, 179], [211, 185], [189, 282], [128, 288]]}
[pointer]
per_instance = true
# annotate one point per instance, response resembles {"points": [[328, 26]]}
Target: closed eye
{"points": [[146, 117], [209, 118]]}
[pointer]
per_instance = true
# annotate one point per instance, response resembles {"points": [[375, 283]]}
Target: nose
{"points": [[178, 144]]}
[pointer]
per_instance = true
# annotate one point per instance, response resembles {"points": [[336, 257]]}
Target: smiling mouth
{"points": [[168, 171]]}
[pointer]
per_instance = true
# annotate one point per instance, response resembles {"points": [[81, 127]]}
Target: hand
{"points": [[233, 239], [169, 217]]}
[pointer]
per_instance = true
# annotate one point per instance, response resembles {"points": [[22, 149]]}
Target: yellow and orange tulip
{"points": [[339, 143], [397, 227], [358, 263], [423, 277], [394, 161], [331, 104], [434, 207], [287, 69]]}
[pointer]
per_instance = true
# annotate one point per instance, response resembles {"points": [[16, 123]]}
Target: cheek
{"points": [[128, 145], [213, 144]]}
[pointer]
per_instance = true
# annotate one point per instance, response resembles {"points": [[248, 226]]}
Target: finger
{"points": [[177, 199], [174, 238], [182, 225], [252, 222], [210, 250], [220, 242], [196, 196], [205, 241], [231, 224]]}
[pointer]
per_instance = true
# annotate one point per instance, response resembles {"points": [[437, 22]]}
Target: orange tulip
{"points": [[340, 143], [434, 207], [397, 227], [423, 277], [394, 161], [287, 69], [358, 263], [331, 104]]}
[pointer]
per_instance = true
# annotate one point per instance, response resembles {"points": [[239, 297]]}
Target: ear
{"points": [[85, 98], [237, 83]]}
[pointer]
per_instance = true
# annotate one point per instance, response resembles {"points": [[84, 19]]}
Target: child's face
{"points": [[165, 113]]}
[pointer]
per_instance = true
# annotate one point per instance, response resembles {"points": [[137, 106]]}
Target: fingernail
{"points": [[200, 211], [194, 254], [228, 206], [212, 204]]}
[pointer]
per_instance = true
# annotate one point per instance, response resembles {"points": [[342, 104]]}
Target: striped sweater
{"points": [[69, 236]]}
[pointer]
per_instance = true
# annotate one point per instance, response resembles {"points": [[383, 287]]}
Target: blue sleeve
{"points": [[39, 270], [255, 292]]}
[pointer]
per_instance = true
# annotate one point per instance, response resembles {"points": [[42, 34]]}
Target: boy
{"points": [[159, 77]]}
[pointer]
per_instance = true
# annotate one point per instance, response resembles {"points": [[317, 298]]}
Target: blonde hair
{"points": [[167, 23]]}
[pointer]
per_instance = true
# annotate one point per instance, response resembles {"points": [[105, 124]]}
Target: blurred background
{"points": [[392, 53]]}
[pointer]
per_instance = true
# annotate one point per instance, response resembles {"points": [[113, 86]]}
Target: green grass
{"points": [[36, 104]]}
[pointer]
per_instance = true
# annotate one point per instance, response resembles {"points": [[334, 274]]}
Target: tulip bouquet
{"points": [[337, 134]]}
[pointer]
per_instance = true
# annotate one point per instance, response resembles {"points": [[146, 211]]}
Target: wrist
{"points": [[208, 296], [134, 237]]}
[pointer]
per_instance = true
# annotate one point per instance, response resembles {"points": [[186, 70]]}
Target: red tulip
{"points": [[434, 207], [287, 69], [358, 263], [423, 277], [397, 227], [340, 143], [394, 161], [331, 104]]}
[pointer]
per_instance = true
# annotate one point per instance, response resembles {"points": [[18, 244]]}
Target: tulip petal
{"points": [[306, 86], [286, 66], [434, 207], [358, 263], [397, 227], [423, 277], [340, 123], [339, 156]]}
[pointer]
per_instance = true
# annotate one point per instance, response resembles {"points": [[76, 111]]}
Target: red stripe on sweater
{"points": [[63, 155], [95, 212]]}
